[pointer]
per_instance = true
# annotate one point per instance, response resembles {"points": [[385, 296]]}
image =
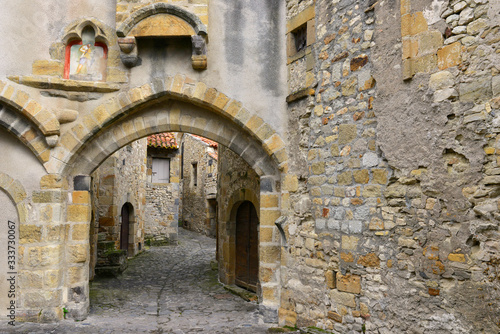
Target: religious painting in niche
{"points": [[86, 59]]}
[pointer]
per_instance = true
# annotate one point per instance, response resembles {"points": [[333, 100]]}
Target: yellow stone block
{"points": [[269, 201], [69, 141], [269, 254], [410, 48], [77, 275], [489, 150], [349, 242], [456, 257], [101, 114], [349, 283], [78, 213], [449, 55], [21, 98], [266, 234], [53, 181], [268, 217], [178, 83], [135, 94], [77, 253], [8, 92], [30, 233], [80, 232], [81, 197], [199, 90], [221, 101], [210, 95], [413, 24], [274, 143]]}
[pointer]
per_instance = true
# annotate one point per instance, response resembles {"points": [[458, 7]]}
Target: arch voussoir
{"points": [[175, 99]]}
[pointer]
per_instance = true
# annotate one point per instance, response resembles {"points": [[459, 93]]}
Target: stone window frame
{"points": [[305, 19]]}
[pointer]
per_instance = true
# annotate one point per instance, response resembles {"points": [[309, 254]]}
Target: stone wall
{"points": [[198, 191], [399, 228], [237, 182], [163, 199], [120, 179]]}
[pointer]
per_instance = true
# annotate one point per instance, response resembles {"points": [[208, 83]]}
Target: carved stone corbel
{"points": [[128, 47], [199, 56]]}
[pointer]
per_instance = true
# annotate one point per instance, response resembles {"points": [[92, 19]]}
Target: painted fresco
{"points": [[87, 62]]}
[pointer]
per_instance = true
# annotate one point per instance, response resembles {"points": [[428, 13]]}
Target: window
{"points": [[194, 180], [86, 58], [161, 170], [300, 37]]}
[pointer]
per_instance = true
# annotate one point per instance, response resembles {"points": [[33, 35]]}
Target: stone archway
{"points": [[176, 104]]}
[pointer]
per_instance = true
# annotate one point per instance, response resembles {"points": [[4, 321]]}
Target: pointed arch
{"points": [[172, 104]]}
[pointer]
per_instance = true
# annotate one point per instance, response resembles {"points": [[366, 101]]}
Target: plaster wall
{"points": [[16, 154], [30, 27]]}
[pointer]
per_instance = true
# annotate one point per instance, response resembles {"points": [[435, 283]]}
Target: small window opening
{"points": [[195, 174], [300, 37]]}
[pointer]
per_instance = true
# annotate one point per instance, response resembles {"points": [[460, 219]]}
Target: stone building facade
{"points": [[199, 184], [237, 182], [163, 193], [119, 181], [372, 126]]}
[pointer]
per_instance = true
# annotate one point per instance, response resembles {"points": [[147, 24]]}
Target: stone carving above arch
{"points": [[75, 31], [161, 19], [135, 17]]}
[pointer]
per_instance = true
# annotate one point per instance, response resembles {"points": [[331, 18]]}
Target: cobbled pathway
{"points": [[170, 289]]}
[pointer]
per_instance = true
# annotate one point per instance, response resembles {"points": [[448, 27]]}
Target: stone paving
{"points": [[170, 289]]}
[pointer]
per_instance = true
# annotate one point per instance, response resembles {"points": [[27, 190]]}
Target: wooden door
{"points": [[125, 228], [247, 247]]}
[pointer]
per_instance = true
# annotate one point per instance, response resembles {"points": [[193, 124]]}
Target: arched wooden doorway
{"points": [[247, 247], [125, 226]]}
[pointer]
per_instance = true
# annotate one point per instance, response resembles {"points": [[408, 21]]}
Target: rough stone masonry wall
{"points": [[121, 179], [236, 182], [404, 236], [163, 199], [195, 209]]}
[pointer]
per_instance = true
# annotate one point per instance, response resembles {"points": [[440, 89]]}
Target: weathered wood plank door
{"points": [[124, 232], [247, 247]]}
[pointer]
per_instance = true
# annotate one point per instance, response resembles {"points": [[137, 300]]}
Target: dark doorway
{"points": [[124, 231], [247, 247]]}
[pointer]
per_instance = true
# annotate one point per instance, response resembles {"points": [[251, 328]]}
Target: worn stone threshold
{"points": [[45, 82], [243, 293]]}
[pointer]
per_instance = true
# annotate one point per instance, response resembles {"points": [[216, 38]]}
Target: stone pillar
{"points": [[41, 254], [269, 249], [77, 249]]}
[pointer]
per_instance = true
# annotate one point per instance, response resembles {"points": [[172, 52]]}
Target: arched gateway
{"points": [[170, 104]]}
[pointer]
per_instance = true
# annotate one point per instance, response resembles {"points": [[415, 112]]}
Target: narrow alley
{"points": [[169, 289]]}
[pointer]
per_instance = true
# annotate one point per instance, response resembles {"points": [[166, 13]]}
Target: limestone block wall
{"points": [[198, 184]]}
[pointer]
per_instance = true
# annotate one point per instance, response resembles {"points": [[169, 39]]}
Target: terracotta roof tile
{"points": [[165, 140], [211, 143]]}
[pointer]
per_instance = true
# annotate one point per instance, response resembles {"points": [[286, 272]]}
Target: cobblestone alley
{"points": [[164, 290]]}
